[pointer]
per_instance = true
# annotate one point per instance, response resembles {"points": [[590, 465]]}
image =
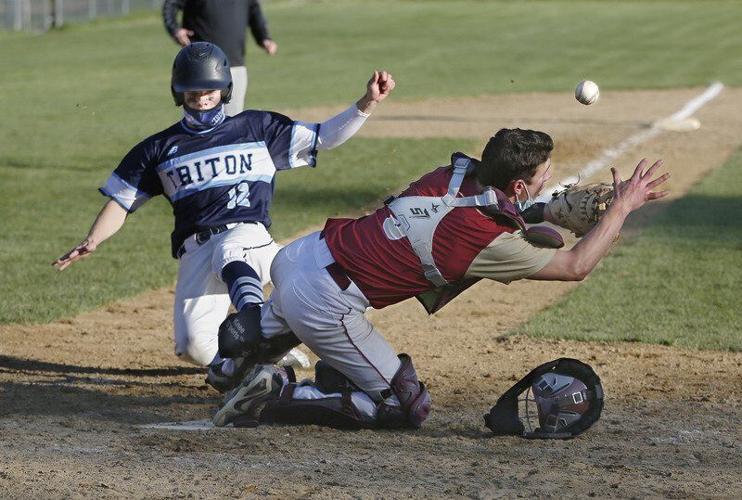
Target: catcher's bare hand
{"points": [[632, 194], [81, 251]]}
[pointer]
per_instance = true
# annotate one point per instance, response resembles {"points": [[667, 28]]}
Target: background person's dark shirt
{"points": [[221, 22]]}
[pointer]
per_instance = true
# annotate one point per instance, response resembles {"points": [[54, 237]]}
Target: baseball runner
{"points": [[449, 229], [218, 173]]}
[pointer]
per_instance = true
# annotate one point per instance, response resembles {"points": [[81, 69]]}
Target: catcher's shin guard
{"points": [[414, 399], [336, 410], [331, 403]]}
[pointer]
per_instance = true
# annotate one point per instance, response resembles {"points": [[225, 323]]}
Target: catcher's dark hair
{"points": [[513, 154]]}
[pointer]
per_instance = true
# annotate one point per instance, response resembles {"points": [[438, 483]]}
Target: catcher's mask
{"points": [[200, 66], [557, 400]]}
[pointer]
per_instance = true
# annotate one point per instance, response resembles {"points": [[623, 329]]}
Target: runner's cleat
{"points": [[244, 404]]}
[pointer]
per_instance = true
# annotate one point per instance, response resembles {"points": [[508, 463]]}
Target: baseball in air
{"points": [[587, 92]]}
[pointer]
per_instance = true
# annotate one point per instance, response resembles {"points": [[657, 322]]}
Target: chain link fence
{"points": [[41, 15]]}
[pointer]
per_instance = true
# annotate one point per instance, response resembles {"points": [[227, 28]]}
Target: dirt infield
{"points": [[75, 393]]}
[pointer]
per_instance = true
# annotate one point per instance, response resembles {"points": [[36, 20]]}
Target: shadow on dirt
{"points": [[123, 395], [31, 365], [91, 404]]}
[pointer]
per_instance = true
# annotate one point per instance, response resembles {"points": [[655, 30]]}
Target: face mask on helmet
{"points": [[557, 400]]}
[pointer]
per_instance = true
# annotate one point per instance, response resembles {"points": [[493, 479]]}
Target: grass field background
{"points": [[679, 283], [77, 99], [81, 96]]}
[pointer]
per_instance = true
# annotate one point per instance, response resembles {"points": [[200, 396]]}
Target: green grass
{"points": [[52, 208], [76, 100], [81, 96], [678, 283]]}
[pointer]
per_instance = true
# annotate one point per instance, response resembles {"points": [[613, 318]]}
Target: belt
{"points": [[336, 272], [338, 275], [203, 236]]}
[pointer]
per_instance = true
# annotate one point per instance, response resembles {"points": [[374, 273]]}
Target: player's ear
{"points": [[515, 187]]}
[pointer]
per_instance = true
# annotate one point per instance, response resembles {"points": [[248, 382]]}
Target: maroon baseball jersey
{"points": [[388, 271]]}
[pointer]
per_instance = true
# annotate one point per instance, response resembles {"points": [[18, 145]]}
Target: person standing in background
{"points": [[223, 23]]}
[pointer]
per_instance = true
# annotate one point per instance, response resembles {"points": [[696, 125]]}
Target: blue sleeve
{"points": [[291, 143], [135, 179]]}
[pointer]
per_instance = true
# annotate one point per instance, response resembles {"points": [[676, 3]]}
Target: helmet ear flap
{"points": [[178, 97], [227, 94]]}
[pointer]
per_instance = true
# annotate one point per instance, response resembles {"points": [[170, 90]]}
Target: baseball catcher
{"points": [[452, 227], [218, 173]]}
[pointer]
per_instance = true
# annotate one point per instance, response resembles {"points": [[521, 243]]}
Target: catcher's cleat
{"points": [[244, 404]]}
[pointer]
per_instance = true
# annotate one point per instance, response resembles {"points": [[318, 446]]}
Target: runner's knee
{"points": [[196, 346]]}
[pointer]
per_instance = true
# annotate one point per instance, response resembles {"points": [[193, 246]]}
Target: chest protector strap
{"points": [[416, 217]]}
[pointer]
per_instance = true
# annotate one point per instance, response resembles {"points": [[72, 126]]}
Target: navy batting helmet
{"points": [[200, 66]]}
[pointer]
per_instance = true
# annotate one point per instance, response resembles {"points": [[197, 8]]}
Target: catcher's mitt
{"points": [[579, 208]]}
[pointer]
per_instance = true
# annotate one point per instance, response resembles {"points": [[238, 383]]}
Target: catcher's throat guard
{"points": [[557, 400]]}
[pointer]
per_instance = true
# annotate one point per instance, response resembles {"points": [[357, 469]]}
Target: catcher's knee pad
{"points": [[413, 396], [240, 336]]}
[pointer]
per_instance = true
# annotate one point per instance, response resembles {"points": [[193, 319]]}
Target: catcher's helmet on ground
{"points": [[557, 400], [200, 66], [561, 400]]}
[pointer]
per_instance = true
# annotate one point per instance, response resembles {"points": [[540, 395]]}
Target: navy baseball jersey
{"points": [[218, 176]]}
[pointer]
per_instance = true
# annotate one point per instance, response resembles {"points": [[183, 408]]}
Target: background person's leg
{"points": [[239, 89]]}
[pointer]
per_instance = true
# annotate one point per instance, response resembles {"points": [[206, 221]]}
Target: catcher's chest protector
{"points": [[416, 217]]}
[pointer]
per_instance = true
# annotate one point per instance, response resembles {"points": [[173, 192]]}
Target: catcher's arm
{"points": [[576, 263], [110, 219]]}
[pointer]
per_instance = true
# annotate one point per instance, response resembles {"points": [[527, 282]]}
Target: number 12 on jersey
{"points": [[239, 196]]}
